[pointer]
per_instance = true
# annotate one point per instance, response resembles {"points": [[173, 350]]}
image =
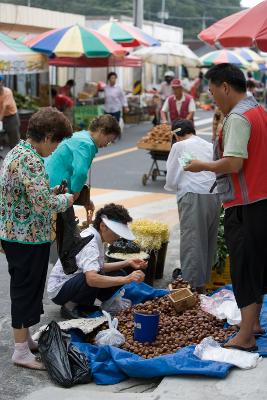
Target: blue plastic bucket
{"points": [[145, 326]]}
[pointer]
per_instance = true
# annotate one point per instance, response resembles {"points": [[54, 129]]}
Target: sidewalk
{"points": [[19, 383]]}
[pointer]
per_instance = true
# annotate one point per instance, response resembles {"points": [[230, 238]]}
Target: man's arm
{"points": [[226, 165], [190, 116], [191, 110], [164, 112]]}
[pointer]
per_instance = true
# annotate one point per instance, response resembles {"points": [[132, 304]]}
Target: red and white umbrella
{"points": [[243, 29]]}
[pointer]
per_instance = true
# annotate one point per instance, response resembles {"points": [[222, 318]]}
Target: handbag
{"points": [[84, 197]]}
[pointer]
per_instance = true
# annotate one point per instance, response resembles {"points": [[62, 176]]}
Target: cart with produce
{"points": [[158, 143]]}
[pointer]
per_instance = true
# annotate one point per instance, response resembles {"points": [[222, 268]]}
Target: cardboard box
{"points": [[182, 299]]}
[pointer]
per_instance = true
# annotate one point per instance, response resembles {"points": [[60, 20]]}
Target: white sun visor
{"points": [[120, 229]]}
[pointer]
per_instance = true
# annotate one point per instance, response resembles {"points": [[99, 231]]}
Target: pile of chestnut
{"points": [[175, 330]]}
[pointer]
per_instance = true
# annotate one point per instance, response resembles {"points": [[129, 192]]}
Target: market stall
{"points": [[26, 72], [89, 103], [77, 46], [158, 143]]}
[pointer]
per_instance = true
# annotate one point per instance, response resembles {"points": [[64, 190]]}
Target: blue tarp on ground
{"points": [[112, 365]]}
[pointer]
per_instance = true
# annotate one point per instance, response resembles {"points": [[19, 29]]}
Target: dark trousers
{"points": [[27, 266], [77, 290], [245, 234], [11, 126], [116, 115]]}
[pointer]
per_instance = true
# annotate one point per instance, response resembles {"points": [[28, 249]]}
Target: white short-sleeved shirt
{"points": [[191, 106], [183, 182], [90, 258]]}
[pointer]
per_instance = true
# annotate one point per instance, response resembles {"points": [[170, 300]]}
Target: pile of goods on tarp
{"points": [[175, 330], [159, 136], [179, 283]]}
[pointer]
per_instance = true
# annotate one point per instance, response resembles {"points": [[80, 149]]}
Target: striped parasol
{"points": [[75, 41], [250, 55], [127, 35], [16, 58], [223, 56]]}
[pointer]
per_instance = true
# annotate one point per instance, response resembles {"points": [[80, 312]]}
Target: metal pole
{"points": [[138, 12], [162, 11]]}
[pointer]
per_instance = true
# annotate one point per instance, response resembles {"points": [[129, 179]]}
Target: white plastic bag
{"points": [[121, 124], [209, 349], [110, 336], [116, 303], [223, 305]]}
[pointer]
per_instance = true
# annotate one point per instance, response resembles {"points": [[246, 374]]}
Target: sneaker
{"points": [[72, 314], [176, 273]]}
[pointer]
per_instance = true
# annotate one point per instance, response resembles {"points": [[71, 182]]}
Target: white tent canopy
{"points": [[170, 54]]}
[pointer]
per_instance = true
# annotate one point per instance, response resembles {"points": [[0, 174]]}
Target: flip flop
{"points": [[236, 347], [36, 365], [259, 333]]}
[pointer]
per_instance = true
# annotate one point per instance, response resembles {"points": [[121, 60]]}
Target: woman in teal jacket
{"points": [[73, 157]]}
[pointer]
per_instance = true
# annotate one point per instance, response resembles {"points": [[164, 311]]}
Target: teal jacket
{"points": [[71, 161]]}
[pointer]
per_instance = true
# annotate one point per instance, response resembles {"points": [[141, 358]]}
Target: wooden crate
{"points": [[132, 118], [219, 280], [152, 146], [182, 299], [171, 289]]}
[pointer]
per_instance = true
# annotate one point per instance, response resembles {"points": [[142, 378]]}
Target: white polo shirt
{"points": [[191, 106], [90, 258]]}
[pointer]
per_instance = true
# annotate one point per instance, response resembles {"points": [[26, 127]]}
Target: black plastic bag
{"points": [[69, 240], [65, 364], [124, 246]]}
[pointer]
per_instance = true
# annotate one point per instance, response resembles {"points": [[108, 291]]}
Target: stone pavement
{"points": [[19, 383]]}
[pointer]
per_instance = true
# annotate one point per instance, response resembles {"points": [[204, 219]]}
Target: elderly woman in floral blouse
{"points": [[26, 207]]}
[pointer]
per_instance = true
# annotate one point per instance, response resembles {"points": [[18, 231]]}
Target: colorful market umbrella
{"points": [[243, 29], [75, 41], [127, 35], [170, 54], [16, 58], [249, 55], [223, 56]]}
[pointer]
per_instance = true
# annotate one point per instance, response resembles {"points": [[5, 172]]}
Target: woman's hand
{"points": [[137, 263], [135, 276], [70, 199]]}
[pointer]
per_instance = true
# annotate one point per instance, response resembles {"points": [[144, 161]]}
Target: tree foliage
{"points": [[192, 15]]}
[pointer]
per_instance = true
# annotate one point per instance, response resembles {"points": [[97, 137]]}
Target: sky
{"points": [[250, 3]]}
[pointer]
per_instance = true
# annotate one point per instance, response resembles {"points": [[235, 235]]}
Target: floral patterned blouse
{"points": [[26, 200]]}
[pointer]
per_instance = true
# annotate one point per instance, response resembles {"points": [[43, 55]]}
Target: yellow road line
{"points": [[115, 154], [203, 129]]}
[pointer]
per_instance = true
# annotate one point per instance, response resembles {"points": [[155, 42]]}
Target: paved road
{"points": [[125, 164]]}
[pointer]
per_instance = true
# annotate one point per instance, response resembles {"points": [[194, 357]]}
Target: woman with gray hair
{"points": [[26, 207]]}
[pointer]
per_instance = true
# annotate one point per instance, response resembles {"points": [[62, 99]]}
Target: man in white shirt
{"points": [[179, 105], [198, 209], [165, 87], [115, 99]]}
